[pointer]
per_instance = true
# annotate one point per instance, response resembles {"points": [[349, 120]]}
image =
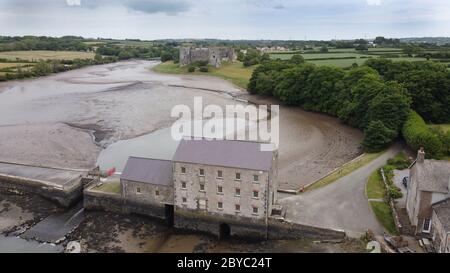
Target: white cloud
{"points": [[374, 2], [73, 2]]}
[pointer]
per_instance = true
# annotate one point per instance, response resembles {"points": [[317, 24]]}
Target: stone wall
{"points": [[283, 230], [95, 200], [228, 196], [65, 197], [138, 192], [251, 228], [111, 202], [210, 223], [239, 226], [441, 241]]}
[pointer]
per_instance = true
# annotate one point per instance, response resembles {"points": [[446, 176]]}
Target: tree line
{"points": [[377, 97], [166, 52], [68, 43]]}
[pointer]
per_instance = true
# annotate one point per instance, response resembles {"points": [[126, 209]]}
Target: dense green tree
{"points": [[412, 49], [377, 136], [252, 57], [446, 142], [323, 89], [382, 65], [292, 85], [166, 56], [362, 47], [324, 49], [429, 87], [297, 59], [354, 107], [390, 106], [264, 58], [363, 98]]}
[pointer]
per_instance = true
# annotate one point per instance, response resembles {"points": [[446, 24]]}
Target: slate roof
{"points": [[224, 153], [442, 210], [147, 170], [433, 175]]}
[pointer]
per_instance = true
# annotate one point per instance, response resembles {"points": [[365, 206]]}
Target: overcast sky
{"points": [[226, 19]]}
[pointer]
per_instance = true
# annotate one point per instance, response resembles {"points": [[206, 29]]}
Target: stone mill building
{"points": [[218, 186]]}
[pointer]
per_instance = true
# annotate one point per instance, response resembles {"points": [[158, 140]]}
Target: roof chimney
{"points": [[421, 155]]}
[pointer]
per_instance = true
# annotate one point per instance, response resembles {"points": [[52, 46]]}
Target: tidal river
{"points": [[68, 119], [103, 114]]}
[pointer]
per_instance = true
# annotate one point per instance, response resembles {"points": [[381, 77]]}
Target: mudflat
{"points": [[67, 119]]}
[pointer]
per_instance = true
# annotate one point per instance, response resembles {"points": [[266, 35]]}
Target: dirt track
{"points": [[53, 121]]}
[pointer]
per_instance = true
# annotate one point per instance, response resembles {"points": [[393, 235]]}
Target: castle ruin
{"points": [[213, 55]]}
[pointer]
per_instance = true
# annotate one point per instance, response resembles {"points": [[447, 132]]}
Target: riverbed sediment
{"points": [[66, 119]]}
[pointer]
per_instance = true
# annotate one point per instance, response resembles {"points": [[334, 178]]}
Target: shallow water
{"points": [[19, 245], [162, 144]]}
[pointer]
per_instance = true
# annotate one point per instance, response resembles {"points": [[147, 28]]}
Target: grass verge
{"points": [[384, 215], [234, 72], [113, 187], [345, 170], [375, 186]]}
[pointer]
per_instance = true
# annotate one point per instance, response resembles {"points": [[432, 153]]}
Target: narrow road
{"points": [[340, 205]]}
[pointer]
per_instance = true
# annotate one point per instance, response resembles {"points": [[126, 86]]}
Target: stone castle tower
{"points": [[213, 55]]}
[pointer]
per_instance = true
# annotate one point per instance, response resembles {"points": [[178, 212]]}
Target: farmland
{"points": [[21, 64], [35, 55], [346, 57], [13, 65]]}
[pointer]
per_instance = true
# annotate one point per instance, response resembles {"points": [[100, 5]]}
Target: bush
{"points": [[417, 134], [201, 63], [204, 69], [191, 69], [395, 193], [400, 162]]}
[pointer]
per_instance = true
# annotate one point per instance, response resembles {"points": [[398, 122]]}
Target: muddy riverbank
{"points": [[111, 233], [65, 120], [108, 232]]}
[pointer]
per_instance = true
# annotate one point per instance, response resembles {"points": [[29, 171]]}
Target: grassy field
{"points": [[344, 170], [375, 186], [409, 59], [340, 57], [376, 49], [12, 65], [309, 56], [45, 55], [384, 215], [342, 63], [234, 72], [113, 187], [443, 127]]}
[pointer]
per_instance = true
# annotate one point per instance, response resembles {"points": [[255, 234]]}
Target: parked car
{"points": [[405, 181]]}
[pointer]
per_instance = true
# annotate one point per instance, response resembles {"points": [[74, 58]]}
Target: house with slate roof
{"points": [[428, 186], [441, 226], [223, 187]]}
